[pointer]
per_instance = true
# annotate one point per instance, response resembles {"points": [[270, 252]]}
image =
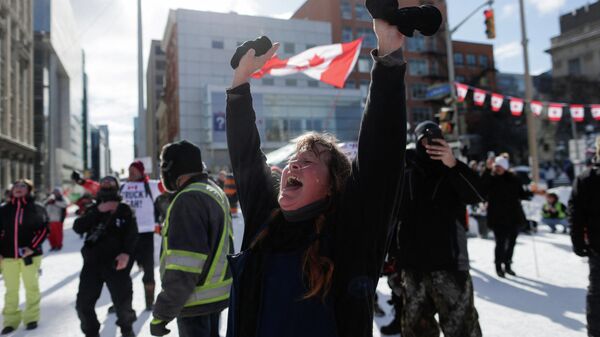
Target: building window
{"points": [[484, 61], [575, 67], [291, 82], [160, 65], [421, 114], [313, 84], [218, 44], [310, 45], [434, 68], [350, 84], [460, 78], [268, 81], [314, 125], [458, 59], [370, 40], [417, 67], [347, 35], [346, 9], [364, 64], [471, 60], [158, 49], [361, 13], [416, 43], [418, 91]]}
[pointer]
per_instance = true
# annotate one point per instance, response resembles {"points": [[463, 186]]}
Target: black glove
{"points": [[76, 177], [158, 328], [582, 251], [261, 46], [426, 19]]}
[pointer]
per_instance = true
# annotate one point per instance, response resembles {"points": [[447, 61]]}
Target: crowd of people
{"points": [[316, 235]]}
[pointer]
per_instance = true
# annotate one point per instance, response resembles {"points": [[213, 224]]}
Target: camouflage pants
{"points": [[446, 293]]}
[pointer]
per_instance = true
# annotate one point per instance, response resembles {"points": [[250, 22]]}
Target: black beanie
{"points": [[178, 159], [424, 127]]}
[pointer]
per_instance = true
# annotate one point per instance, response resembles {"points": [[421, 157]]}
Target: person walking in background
{"points": [[110, 236], [140, 193], [554, 213], [56, 207], [584, 216], [197, 237], [505, 216], [23, 229]]}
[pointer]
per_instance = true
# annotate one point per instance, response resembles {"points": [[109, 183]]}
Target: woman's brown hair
{"points": [[318, 269]]}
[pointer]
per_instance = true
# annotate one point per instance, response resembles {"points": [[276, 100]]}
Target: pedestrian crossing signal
{"points": [[490, 26]]}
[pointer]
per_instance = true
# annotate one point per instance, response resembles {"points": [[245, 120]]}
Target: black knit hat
{"points": [[427, 127], [177, 159]]}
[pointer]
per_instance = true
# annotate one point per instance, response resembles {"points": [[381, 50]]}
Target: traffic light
{"points": [[446, 120], [490, 26]]}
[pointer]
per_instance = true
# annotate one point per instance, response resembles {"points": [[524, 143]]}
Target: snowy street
{"points": [[530, 305]]}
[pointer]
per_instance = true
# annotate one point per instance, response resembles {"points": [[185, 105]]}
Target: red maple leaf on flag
{"points": [[316, 60]]}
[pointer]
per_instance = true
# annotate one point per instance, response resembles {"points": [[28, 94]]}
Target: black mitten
{"points": [[261, 46]]}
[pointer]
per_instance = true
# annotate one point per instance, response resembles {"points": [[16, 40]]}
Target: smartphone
{"points": [[432, 134]]}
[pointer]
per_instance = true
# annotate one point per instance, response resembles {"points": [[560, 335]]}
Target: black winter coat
{"points": [[357, 233], [584, 210], [504, 194], [24, 221], [117, 233], [431, 232]]}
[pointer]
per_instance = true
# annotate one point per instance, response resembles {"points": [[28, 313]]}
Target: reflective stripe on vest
{"points": [[215, 287]]}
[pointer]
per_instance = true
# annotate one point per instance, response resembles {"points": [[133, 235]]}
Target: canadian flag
{"points": [[330, 64], [461, 91], [555, 112], [479, 97], [516, 106], [577, 112], [596, 112], [537, 107], [497, 101]]}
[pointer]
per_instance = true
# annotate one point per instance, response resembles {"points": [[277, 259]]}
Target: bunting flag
{"points": [[479, 97], [596, 111], [461, 91], [330, 64], [578, 112], [555, 112], [497, 101], [537, 107], [516, 106]]}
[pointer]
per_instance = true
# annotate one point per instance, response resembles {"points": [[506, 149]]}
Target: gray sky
{"points": [[108, 33]]}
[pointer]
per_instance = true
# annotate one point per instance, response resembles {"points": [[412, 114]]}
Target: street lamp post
{"points": [[531, 130], [451, 70]]}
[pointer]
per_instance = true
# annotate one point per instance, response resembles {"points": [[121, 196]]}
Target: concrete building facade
{"points": [[576, 51], [198, 47], [58, 90], [155, 75], [100, 152], [17, 147]]}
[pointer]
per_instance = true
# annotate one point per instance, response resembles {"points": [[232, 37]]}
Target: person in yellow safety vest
{"points": [[197, 237], [554, 213]]}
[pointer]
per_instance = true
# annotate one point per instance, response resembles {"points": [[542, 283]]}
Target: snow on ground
{"points": [[546, 301]]}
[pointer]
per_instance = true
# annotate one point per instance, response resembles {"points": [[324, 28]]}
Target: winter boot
{"points": [[111, 309], [391, 329], [149, 291], [499, 270], [7, 330], [508, 270], [31, 326], [127, 332]]}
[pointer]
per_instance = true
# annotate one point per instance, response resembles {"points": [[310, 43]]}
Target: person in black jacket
{"points": [[504, 192], [432, 244], [312, 253], [584, 216], [110, 236], [24, 222]]}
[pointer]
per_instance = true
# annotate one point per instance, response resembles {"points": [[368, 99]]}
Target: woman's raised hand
{"points": [[250, 63]]}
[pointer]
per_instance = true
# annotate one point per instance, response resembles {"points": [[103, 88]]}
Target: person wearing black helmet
{"points": [[110, 235], [197, 237], [432, 255]]}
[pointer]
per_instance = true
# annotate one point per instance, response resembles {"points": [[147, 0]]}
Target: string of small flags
{"points": [[554, 110]]}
